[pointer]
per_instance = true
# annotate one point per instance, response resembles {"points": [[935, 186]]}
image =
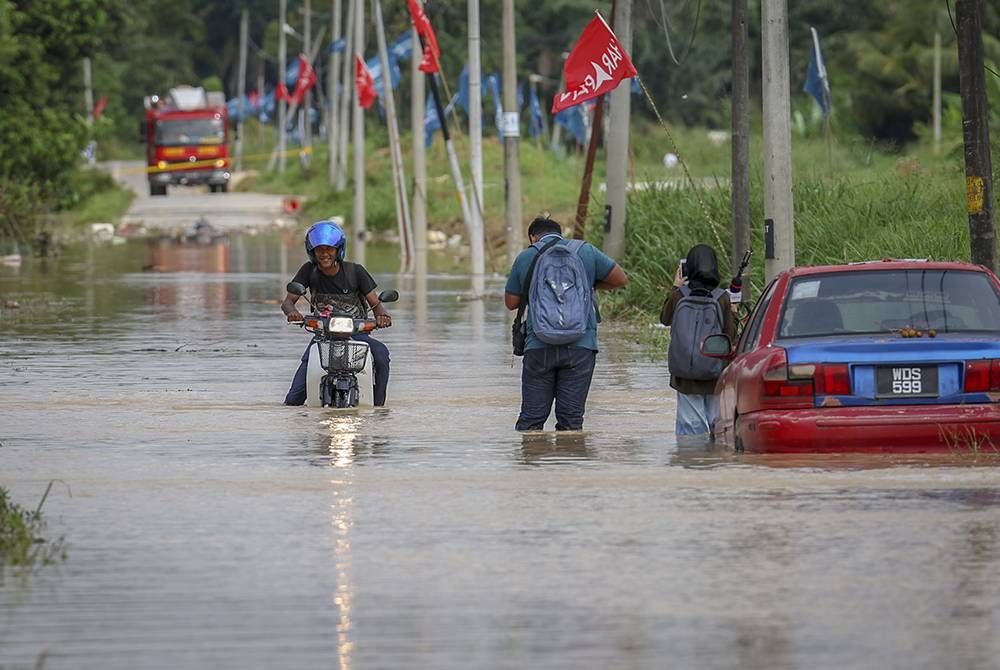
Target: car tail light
{"points": [[797, 385], [982, 376], [833, 379], [786, 387]]}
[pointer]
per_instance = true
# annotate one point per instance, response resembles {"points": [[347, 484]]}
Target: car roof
{"points": [[885, 264]]}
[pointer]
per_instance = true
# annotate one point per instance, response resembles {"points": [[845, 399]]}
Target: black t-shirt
{"points": [[343, 292]]}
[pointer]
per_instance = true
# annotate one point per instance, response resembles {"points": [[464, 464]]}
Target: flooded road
{"points": [[208, 526]]}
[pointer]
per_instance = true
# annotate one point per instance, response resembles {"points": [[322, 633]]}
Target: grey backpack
{"points": [[697, 315], [560, 297]]}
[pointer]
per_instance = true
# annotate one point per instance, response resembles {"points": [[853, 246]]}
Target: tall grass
{"points": [[874, 206]]}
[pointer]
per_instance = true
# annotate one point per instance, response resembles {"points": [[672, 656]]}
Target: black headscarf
{"points": [[702, 267]]}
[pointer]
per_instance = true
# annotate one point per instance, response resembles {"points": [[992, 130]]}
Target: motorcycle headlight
{"points": [[341, 325]]}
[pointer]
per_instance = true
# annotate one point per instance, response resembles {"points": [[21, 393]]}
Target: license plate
{"points": [[906, 381]]}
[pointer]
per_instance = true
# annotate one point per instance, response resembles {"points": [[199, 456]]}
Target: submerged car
{"points": [[881, 356]]}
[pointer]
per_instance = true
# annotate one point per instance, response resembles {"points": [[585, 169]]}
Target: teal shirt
{"points": [[597, 264]]}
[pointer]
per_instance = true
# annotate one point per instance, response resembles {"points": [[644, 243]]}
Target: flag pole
{"points": [[456, 171], [583, 201], [398, 175]]}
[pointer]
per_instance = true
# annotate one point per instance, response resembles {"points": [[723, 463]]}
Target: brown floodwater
{"points": [[208, 526]]}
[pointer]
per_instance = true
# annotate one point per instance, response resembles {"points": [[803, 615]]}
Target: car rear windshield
{"points": [[876, 301]]}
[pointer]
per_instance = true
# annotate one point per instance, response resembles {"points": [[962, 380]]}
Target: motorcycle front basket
{"points": [[343, 355]]}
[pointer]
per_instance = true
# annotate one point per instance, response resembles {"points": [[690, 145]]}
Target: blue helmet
{"points": [[325, 233]]}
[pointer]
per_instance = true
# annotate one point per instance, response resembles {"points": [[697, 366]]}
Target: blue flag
{"points": [[536, 124], [817, 85], [463, 89], [572, 120], [402, 48], [338, 46], [374, 65]]}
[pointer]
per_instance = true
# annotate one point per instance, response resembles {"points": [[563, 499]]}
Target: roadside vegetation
{"points": [[22, 545]]}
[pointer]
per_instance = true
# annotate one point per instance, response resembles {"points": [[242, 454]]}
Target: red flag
{"points": [[281, 93], [596, 66], [305, 81], [99, 107], [365, 83], [432, 53]]}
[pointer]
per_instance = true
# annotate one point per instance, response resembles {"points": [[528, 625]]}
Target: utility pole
{"points": [[241, 87], [88, 91], [618, 144], [779, 217], [476, 246], [976, 134], [358, 136], [741, 136], [398, 175], [306, 111], [511, 133], [345, 101], [936, 107], [282, 65], [419, 208], [333, 95]]}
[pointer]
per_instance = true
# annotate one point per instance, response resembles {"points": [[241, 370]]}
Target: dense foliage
{"points": [[879, 57]]}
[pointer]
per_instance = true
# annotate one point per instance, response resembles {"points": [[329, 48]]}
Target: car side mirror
{"points": [[388, 296], [296, 288], [717, 346]]}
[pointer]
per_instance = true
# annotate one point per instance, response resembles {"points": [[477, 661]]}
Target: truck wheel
{"points": [[212, 188], [157, 189], [224, 188]]}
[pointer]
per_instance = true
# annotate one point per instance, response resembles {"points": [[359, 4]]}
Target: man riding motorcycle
{"points": [[340, 286]]}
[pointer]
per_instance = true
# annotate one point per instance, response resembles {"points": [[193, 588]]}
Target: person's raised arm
{"points": [[614, 279]]}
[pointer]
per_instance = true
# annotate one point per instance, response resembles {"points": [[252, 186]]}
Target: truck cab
{"points": [[186, 135]]}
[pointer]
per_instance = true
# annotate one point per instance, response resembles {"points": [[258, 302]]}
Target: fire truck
{"points": [[186, 140]]}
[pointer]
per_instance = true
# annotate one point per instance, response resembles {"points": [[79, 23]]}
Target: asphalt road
{"points": [[184, 205]]}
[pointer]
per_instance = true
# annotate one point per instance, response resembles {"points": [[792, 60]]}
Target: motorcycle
{"points": [[340, 370]]}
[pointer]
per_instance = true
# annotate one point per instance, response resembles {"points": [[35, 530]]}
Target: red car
{"points": [[882, 356]]}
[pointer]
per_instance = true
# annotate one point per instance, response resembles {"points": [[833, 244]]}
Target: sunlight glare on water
{"points": [[208, 526]]}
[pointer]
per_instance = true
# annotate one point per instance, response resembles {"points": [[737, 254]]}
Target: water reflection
{"points": [[541, 447], [342, 431]]}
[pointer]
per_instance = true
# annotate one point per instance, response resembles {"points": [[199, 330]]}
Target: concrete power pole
{"points": [[346, 108], [333, 95], [618, 143], [306, 137], [976, 134], [741, 136], [358, 136], [88, 91], [282, 65], [241, 87], [779, 215], [476, 246], [511, 133], [398, 173]]}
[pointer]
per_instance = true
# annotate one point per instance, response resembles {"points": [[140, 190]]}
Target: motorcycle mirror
{"points": [[388, 296], [296, 288]]}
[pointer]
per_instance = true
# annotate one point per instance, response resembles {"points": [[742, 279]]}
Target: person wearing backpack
{"points": [[696, 307], [554, 280]]}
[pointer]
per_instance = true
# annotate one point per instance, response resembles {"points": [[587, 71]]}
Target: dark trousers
{"points": [[562, 374], [380, 357]]}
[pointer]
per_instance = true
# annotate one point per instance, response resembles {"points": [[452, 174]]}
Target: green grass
{"points": [[101, 200], [21, 542]]}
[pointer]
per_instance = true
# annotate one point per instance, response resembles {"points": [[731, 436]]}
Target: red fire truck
{"points": [[186, 140]]}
